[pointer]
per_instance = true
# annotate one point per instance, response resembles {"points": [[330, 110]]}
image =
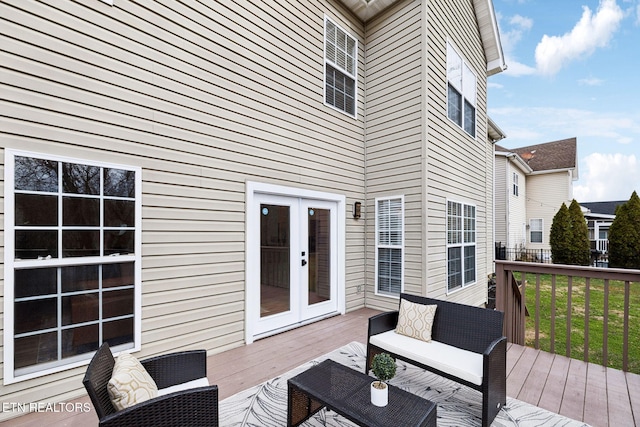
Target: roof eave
{"points": [[485, 16], [488, 25]]}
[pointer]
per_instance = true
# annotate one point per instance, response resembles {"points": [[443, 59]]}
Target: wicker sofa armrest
{"points": [[382, 322], [494, 387], [177, 368], [193, 407]]}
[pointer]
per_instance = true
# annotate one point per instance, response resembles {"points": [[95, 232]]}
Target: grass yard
{"points": [[596, 319]]}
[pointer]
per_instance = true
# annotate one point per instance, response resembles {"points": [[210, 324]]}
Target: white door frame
{"points": [[252, 256]]}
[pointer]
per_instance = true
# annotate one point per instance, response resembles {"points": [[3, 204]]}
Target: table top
{"points": [[348, 392]]}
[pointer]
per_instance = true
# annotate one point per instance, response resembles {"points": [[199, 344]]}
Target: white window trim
{"points": [[10, 265], [465, 63], [462, 245], [516, 184], [541, 231], [378, 245], [324, 68]]}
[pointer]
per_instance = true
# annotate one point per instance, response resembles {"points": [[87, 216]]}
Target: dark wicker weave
{"points": [[471, 328], [193, 407], [348, 392]]}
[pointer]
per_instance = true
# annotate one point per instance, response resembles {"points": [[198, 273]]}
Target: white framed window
{"points": [[461, 245], [461, 92], [390, 245], [535, 230], [72, 261], [340, 68], [515, 184]]}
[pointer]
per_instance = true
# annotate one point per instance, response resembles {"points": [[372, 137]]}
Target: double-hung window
{"points": [[515, 184], [340, 68], [461, 245], [389, 245], [461, 92], [535, 230], [72, 261]]}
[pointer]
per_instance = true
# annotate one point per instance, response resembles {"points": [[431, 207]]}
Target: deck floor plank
{"points": [[537, 378], [584, 397], [520, 372], [595, 401], [554, 387], [620, 413], [572, 404]]}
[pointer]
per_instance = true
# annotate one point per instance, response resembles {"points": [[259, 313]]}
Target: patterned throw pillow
{"points": [[130, 383], [416, 320]]}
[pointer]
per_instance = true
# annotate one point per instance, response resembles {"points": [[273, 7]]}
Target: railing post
{"points": [[501, 279]]}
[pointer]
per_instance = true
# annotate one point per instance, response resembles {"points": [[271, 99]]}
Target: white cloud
{"points": [[590, 81], [521, 22], [591, 32], [638, 14], [607, 177], [516, 69], [494, 85], [517, 26], [536, 125]]}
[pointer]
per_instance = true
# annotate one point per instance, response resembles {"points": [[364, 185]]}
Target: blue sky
{"points": [[574, 71]]}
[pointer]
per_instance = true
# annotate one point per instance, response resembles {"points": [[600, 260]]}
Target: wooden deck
{"points": [[596, 395]]}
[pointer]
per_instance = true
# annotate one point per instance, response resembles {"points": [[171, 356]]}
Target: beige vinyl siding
{"points": [[456, 163], [546, 192], [517, 209], [203, 97], [394, 132], [501, 189]]}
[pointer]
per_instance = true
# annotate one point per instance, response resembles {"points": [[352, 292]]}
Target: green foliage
{"points": [[579, 252], [560, 236], [624, 235], [383, 366], [569, 236]]}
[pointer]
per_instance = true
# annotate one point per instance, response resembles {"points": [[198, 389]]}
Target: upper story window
{"points": [[535, 230], [515, 184], [461, 92], [389, 245], [461, 245], [340, 68], [72, 261]]}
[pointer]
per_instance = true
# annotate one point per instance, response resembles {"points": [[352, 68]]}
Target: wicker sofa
{"points": [[467, 346], [185, 398]]}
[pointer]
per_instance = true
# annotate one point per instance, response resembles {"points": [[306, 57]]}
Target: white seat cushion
{"points": [[200, 382], [460, 363]]}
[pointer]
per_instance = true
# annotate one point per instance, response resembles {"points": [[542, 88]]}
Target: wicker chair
{"points": [[192, 407]]}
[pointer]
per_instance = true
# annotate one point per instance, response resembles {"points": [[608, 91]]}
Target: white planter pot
{"points": [[379, 396]]}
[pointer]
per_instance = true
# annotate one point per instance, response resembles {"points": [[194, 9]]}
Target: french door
{"points": [[294, 262]]}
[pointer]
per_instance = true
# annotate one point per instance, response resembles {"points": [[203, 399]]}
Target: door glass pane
{"points": [[319, 221], [275, 247]]}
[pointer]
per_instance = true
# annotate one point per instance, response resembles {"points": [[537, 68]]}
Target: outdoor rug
{"points": [[265, 405]]}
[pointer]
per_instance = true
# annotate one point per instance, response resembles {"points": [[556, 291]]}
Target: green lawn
{"points": [[596, 319]]}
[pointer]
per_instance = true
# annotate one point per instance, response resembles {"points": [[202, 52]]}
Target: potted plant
{"points": [[384, 368]]}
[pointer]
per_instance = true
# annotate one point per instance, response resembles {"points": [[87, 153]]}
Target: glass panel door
{"points": [[275, 259], [297, 253], [318, 277]]}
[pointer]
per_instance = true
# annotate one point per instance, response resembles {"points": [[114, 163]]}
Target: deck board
{"points": [[572, 403], [574, 388], [554, 387]]}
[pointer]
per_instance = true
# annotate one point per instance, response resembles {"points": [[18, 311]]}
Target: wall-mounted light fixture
{"points": [[357, 210]]}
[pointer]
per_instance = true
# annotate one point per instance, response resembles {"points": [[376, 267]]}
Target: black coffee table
{"points": [[347, 392]]}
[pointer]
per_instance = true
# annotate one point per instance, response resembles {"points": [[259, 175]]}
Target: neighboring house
{"points": [[600, 216], [183, 175], [531, 183]]}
